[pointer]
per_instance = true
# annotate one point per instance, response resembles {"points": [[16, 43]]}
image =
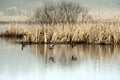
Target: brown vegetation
{"points": [[98, 33], [58, 24]]}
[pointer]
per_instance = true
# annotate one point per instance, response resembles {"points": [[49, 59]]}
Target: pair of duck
{"points": [[72, 59]]}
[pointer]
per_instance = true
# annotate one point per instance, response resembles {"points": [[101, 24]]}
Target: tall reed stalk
{"points": [[88, 33]]}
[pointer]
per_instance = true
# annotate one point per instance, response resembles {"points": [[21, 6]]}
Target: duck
{"points": [[73, 45], [23, 45], [51, 46], [73, 58], [52, 59]]}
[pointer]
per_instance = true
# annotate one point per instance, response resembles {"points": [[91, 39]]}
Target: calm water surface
{"points": [[63, 62]]}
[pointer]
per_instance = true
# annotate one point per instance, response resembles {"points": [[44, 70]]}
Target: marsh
{"points": [[59, 40]]}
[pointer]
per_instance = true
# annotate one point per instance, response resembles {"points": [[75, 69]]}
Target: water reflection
{"points": [[66, 54], [61, 62]]}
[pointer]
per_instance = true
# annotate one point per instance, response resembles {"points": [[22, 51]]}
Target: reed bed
{"points": [[13, 19], [97, 33]]}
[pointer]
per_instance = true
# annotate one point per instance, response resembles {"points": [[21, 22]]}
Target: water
{"points": [[63, 62]]}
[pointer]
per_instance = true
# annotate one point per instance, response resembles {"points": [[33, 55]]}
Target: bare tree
{"points": [[63, 12]]}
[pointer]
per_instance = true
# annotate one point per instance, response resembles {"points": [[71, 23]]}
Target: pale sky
{"points": [[93, 5]]}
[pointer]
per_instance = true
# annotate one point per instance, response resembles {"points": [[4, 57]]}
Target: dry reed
{"points": [[97, 33]]}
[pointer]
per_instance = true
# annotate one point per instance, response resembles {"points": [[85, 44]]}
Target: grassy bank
{"points": [[87, 33]]}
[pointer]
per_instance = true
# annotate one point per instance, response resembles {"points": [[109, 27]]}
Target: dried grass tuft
{"points": [[96, 33]]}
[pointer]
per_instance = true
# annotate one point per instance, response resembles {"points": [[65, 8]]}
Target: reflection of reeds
{"points": [[97, 33], [63, 53]]}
